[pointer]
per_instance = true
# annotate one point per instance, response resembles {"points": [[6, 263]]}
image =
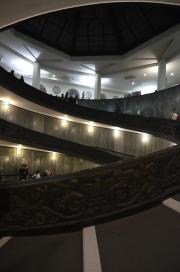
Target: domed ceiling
{"points": [[106, 29]]}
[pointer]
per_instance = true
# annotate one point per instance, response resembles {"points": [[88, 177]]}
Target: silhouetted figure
{"points": [[82, 97], [66, 96], [117, 109], [12, 72], [23, 172], [22, 78], [62, 96]]}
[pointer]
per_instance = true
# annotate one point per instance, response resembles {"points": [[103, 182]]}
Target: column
{"points": [[36, 75], [91, 257], [161, 84], [97, 91]]}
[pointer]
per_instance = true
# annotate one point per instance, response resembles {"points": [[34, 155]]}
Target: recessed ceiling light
{"points": [[53, 76], [133, 83], [172, 74], [145, 75]]}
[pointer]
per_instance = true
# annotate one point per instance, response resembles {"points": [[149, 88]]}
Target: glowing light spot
{"points": [[64, 121], [116, 132], [53, 156], [19, 150], [6, 103], [6, 159], [90, 127], [145, 138]]}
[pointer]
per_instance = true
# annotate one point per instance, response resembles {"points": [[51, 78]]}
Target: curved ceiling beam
{"points": [[20, 10]]}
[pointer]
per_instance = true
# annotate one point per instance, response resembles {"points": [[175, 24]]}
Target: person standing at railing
{"points": [[23, 172], [36, 175]]}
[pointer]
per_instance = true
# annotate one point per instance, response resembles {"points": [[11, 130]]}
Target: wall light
{"points": [[64, 121], [53, 156], [172, 74], [19, 150], [6, 159], [5, 106], [145, 138], [90, 127], [116, 132], [6, 102]]}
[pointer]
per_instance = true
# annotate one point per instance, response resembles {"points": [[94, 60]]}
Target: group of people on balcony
{"points": [[72, 98], [24, 173], [69, 98]]}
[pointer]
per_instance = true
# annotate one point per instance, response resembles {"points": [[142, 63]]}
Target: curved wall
{"points": [[11, 159], [19, 10], [131, 143], [160, 104]]}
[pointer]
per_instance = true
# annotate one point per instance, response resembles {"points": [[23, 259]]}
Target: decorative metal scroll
{"points": [[70, 202]]}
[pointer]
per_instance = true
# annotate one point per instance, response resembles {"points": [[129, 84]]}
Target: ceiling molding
{"points": [[57, 70], [67, 83], [117, 72], [17, 54], [33, 42]]}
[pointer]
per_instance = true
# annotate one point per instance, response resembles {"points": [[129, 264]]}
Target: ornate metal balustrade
{"points": [[70, 202]]}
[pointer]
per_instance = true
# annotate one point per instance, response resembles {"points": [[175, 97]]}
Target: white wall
{"points": [[49, 84]]}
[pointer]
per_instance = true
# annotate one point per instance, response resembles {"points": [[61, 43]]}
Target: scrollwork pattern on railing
{"points": [[68, 203], [93, 196]]}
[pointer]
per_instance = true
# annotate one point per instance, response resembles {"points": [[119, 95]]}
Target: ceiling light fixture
{"points": [[172, 74], [133, 83]]}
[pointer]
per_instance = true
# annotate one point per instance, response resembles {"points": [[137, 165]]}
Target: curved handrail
{"points": [[70, 202], [156, 126]]}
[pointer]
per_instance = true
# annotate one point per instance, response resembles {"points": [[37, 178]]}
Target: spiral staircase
{"points": [[120, 216]]}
